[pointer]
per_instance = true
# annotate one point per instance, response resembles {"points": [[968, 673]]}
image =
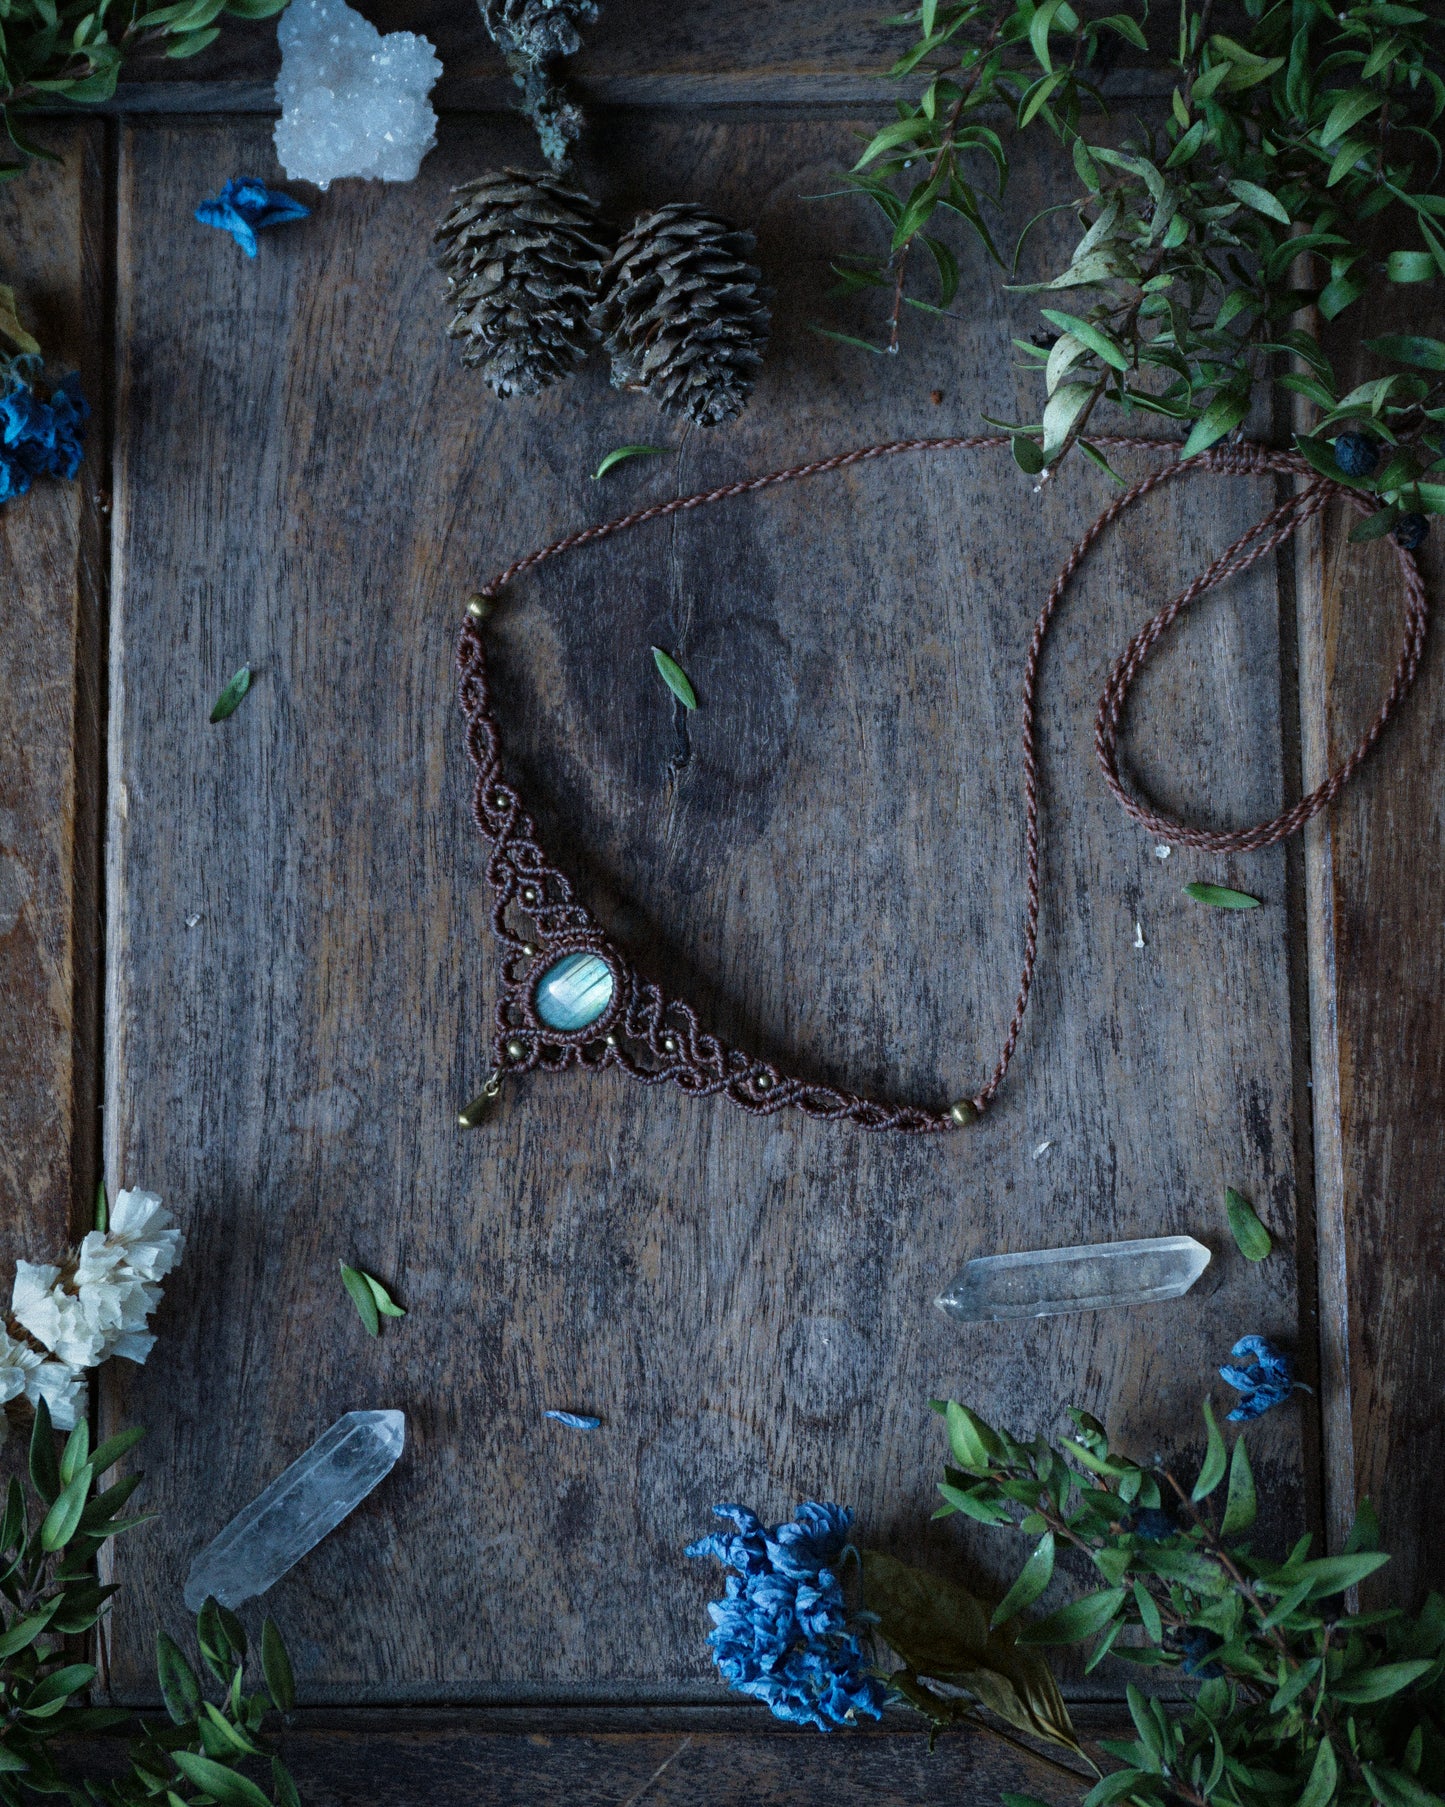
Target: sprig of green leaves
{"points": [[1289, 1697], [1296, 138]]}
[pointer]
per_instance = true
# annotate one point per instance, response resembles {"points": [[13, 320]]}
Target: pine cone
{"points": [[684, 313], [538, 30], [523, 256]]}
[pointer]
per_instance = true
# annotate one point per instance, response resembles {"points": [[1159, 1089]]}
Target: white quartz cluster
{"points": [[353, 103]]}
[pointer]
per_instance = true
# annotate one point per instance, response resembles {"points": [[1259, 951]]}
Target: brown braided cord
{"points": [[654, 1038]]}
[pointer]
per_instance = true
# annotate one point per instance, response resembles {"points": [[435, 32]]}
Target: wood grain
{"points": [[49, 726], [826, 857]]}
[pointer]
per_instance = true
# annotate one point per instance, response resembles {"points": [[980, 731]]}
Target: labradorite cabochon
{"points": [[574, 992]]}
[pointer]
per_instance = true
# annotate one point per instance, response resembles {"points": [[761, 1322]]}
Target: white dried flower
{"points": [[26, 1374], [98, 1310]]}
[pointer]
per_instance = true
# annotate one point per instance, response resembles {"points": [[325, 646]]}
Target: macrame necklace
{"points": [[570, 996]]}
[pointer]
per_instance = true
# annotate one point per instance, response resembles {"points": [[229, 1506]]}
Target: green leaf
{"points": [[1410, 266], [1349, 110], [1375, 526], [385, 1304], [1241, 1507], [1333, 1574], [285, 1788], [25, 1631], [1379, 1684], [1222, 416], [628, 451], [51, 1694], [1260, 199], [1212, 1473], [228, 1737], [102, 1209], [362, 1297], [193, 45], [111, 1451], [1396, 1787], [75, 1453], [224, 1785], [44, 1469], [1032, 1579], [58, 1526], [1254, 1240], [1148, 1613], [1043, 19], [1102, 343], [1324, 1774], [1079, 1620], [1028, 454], [229, 701], [1409, 348], [276, 1667], [973, 1444], [1221, 897], [675, 678], [10, 325], [1365, 1531], [180, 1689]]}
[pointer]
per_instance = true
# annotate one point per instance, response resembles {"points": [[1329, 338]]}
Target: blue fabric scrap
{"points": [[40, 438], [575, 1421], [1266, 1378]]}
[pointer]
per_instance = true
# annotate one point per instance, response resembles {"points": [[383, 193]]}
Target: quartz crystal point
{"points": [[1041, 1283], [298, 1509]]}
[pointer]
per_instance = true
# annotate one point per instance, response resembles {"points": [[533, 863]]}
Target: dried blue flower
{"points": [[1355, 454], [1266, 1380], [40, 438], [1411, 531], [781, 1633], [1152, 1524], [245, 206], [1197, 1649], [575, 1421]]}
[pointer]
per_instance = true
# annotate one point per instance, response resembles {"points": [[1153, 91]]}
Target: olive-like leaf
{"points": [[1215, 1459], [229, 701], [1255, 1241], [624, 452], [222, 1784], [1240, 1504], [675, 678], [1032, 1579], [1221, 897], [180, 1687], [276, 1667], [362, 1298]]}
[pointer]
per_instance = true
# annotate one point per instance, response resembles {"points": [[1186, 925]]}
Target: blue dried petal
{"points": [[40, 438], [1265, 1380], [245, 206], [781, 1632], [575, 1421]]}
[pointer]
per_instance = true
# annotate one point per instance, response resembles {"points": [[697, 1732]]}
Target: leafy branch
{"points": [[1298, 1700], [50, 1596], [74, 49], [1298, 166]]}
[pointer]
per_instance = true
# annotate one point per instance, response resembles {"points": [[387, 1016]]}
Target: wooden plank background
{"points": [[829, 865], [826, 860]]}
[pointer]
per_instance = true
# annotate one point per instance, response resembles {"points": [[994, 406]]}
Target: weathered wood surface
{"points": [[828, 863], [1381, 1046], [49, 721]]}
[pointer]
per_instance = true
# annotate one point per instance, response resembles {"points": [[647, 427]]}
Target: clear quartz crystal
{"points": [[1041, 1283], [298, 1509]]}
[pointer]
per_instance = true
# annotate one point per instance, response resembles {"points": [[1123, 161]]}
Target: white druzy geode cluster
{"points": [[353, 103]]}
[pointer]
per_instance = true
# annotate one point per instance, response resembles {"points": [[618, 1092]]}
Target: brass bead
{"points": [[669, 1044], [527, 950], [964, 1112], [611, 1041], [529, 895], [479, 606], [516, 1050], [499, 799], [763, 1083]]}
